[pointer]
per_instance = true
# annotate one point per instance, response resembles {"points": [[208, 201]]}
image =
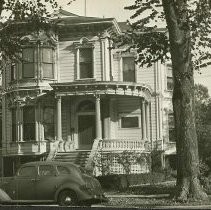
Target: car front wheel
{"points": [[67, 198]]}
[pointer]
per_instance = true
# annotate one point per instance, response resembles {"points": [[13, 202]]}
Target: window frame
{"points": [[51, 63], [27, 62], [28, 123], [171, 128], [52, 167], [129, 116], [13, 72], [35, 169], [122, 67], [14, 125], [53, 121]]}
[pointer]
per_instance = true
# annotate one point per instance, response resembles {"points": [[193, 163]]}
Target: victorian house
{"points": [[74, 94]]}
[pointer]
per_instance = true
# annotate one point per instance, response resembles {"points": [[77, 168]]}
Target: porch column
{"points": [[143, 117], [98, 118], [59, 117], [147, 121]]}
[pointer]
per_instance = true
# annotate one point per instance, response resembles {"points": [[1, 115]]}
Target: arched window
{"points": [[86, 106]]}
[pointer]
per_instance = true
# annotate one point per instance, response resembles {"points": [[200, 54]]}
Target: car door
{"points": [[25, 183], [47, 182]]}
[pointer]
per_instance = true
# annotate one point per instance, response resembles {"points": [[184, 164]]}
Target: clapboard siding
{"points": [[68, 61], [146, 75], [128, 106]]}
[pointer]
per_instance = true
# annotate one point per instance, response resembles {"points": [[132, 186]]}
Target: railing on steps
{"points": [[95, 148]]}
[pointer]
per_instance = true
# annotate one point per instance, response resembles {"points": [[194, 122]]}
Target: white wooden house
{"points": [[74, 94]]}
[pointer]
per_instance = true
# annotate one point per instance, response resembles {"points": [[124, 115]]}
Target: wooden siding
{"points": [[68, 61]]}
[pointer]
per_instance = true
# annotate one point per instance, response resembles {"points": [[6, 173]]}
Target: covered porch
{"points": [[108, 116]]}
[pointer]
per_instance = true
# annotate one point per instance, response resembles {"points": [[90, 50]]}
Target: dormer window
{"points": [[48, 64], [86, 63], [28, 63]]}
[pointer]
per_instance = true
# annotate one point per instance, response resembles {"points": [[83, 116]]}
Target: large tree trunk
{"points": [[188, 185]]}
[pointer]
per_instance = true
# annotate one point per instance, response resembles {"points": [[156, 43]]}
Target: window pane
{"points": [[129, 122], [28, 123], [170, 84], [48, 115], [14, 136], [47, 55], [129, 69], [63, 170], [28, 70], [28, 55], [48, 70], [13, 71], [28, 114], [86, 55], [86, 63], [46, 170], [28, 171], [171, 124]]}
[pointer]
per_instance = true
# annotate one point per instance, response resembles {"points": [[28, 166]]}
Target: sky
{"points": [[115, 8]]}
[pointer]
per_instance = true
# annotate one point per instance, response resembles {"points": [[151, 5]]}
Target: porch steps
{"points": [[78, 157]]}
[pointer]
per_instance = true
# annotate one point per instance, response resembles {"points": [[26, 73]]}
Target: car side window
{"points": [[28, 171], [46, 170], [63, 170]]}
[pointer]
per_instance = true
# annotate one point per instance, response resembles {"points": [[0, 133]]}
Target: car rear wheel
{"points": [[67, 198]]}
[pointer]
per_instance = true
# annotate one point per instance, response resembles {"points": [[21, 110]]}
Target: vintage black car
{"points": [[49, 181]]}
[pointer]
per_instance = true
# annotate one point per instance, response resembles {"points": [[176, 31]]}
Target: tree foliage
{"points": [[30, 15], [203, 122], [149, 35]]}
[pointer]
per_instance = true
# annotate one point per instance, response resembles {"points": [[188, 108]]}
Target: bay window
{"points": [[28, 56], [47, 62], [48, 122], [14, 125], [28, 123]]}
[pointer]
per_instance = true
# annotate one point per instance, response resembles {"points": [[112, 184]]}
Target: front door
{"points": [[86, 131]]}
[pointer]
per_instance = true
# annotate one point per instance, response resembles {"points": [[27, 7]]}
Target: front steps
{"points": [[78, 157]]}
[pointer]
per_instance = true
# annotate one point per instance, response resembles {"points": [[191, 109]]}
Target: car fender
{"points": [[69, 186], [4, 197]]}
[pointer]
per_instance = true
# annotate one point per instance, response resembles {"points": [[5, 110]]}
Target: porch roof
{"points": [[102, 88]]}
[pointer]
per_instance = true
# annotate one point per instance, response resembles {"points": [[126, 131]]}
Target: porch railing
{"points": [[123, 144]]}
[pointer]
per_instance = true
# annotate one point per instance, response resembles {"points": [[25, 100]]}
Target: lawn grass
{"points": [[123, 200], [151, 202], [147, 189]]}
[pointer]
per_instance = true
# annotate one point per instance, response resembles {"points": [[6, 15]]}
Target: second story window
{"points": [[28, 123], [85, 63], [128, 64], [47, 59], [28, 63]]}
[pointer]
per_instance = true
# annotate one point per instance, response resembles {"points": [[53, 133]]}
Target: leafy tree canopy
{"points": [[149, 34]]}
